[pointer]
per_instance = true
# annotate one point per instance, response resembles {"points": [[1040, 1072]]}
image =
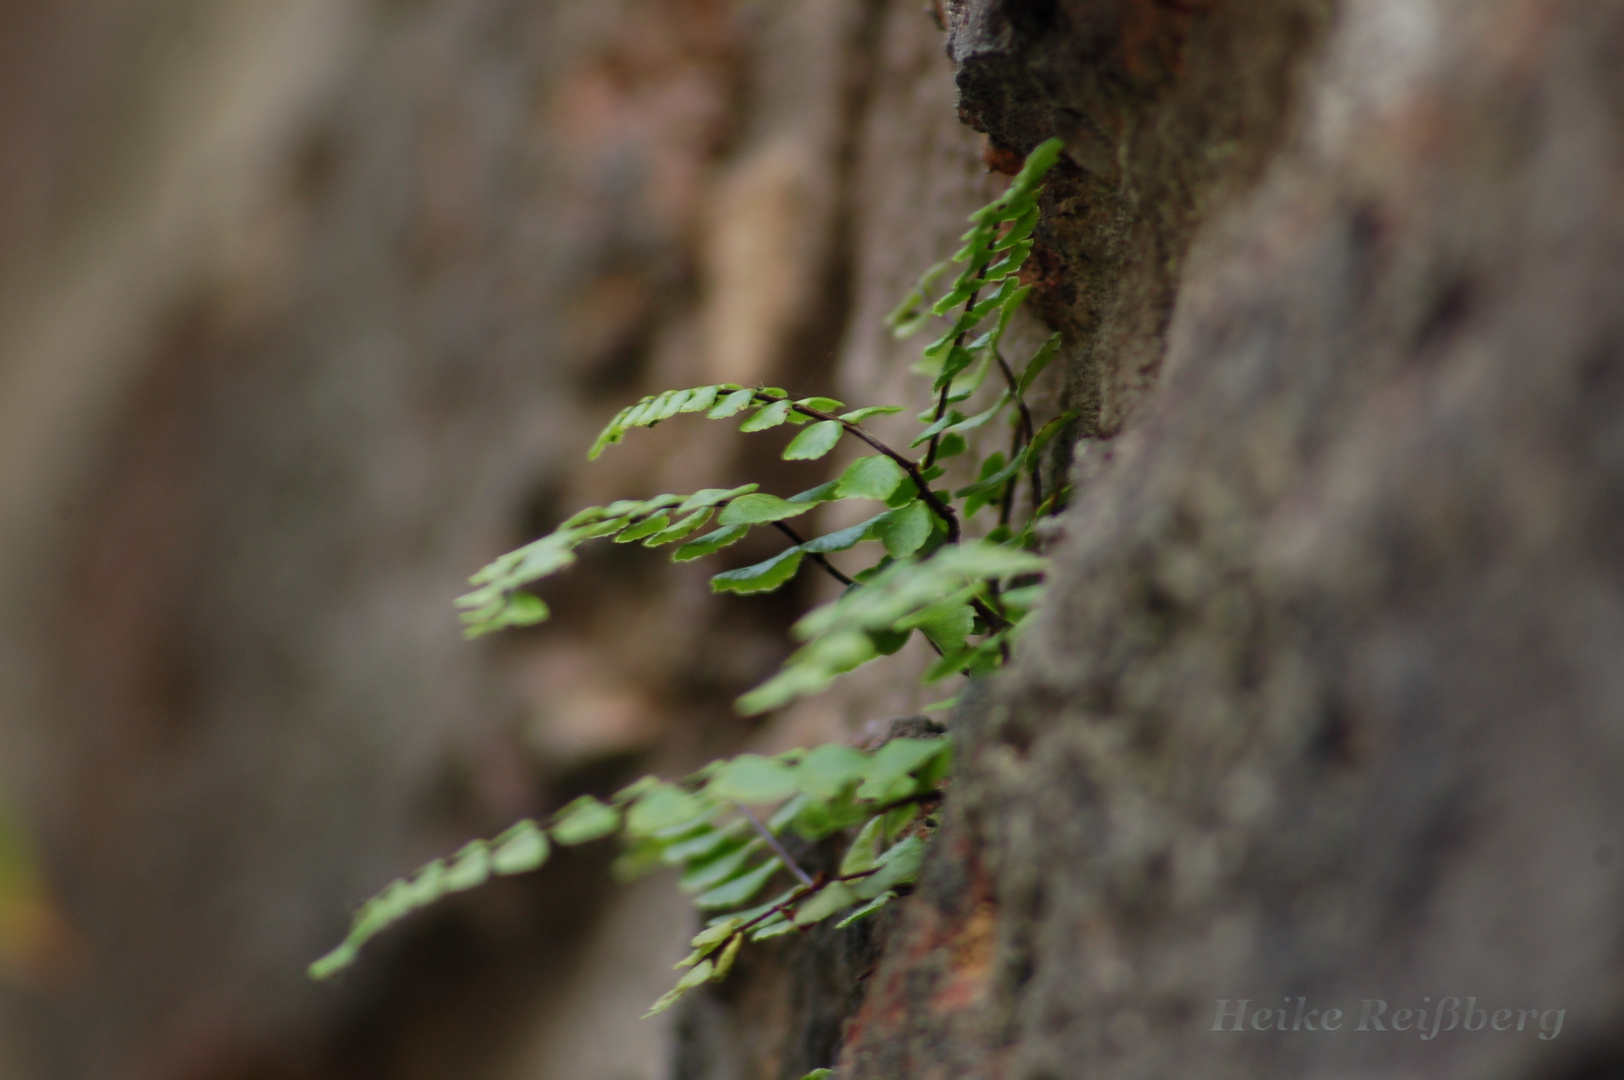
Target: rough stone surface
{"points": [[1326, 702]]}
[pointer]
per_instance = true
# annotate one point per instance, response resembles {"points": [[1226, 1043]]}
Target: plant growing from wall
{"points": [[969, 597]]}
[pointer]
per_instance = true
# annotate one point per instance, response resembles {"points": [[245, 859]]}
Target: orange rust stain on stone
{"points": [[955, 950], [971, 966], [1001, 159]]}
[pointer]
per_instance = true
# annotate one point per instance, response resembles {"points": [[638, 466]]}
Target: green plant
{"points": [[968, 597]]}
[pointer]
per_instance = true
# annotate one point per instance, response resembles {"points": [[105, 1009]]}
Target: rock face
{"points": [[1325, 708]]}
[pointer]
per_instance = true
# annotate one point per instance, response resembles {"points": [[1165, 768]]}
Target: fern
{"points": [[969, 598]]}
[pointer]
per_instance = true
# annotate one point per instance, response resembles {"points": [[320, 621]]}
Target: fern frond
{"points": [[693, 825], [969, 599], [905, 595]]}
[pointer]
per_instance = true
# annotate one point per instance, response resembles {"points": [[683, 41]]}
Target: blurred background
{"points": [[308, 308]]}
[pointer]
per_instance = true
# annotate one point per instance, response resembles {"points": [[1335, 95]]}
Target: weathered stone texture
{"points": [[1326, 702]]}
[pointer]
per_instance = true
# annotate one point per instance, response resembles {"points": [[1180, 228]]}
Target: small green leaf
{"points": [[989, 304], [610, 434], [607, 527], [682, 528], [752, 779], [723, 864], [759, 509], [893, 763], [980, 418], [669, 405], [784, 816], [704, 845], [729, 954], [957, 360], [830, 899], [959, 293], [1020, 230], [635, 861], [1047, 432], [700, 399], [783, 899], [1038, 162], [653, 409], [470, 867], [908, 753], [777, 926], [661, 807], [708, 497], [1011, 262], [768, 417], [717, 933], [394, 903], [949, 663], [1024, 599], [822, 404], [905, 530], [722, 868], [988, 490], [836, 655], [906, 492], [637, 414], [829, 769], [762, 577], [824, 492], [930, 359], [584, 819], [873, 477], [428, 884], [947, 626], [937, 426], [482, 617], [814, 442], [520, 849], [696, 977], [635, 790], [898, 866], [843, 540], [733, 403], [1006, 312], [865, 850], [867, 909], [1040, 360], [857, 416], [889, 642], [332, 963], [740, 889], [647, 527], [524, 609], [817, 820], [583, 517], [993, 473], [710, 543], [897, 819]]}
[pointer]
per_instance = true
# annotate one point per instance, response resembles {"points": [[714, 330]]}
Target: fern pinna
{"points": [[968, 596]]}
